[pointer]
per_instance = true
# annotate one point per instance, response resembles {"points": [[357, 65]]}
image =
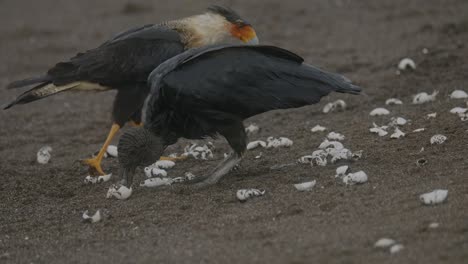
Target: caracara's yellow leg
{"points": [[95, 163]]}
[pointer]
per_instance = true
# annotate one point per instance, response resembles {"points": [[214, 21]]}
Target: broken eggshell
{"points": [[335, 136], [118, 191], [278, 142], [355, 178], [419, 130], [406, 64], [92, 219], [163, 164], [156, 182], [100, 179], [458, 110], [379, 111], [337, 105], [458, 94], [244, 194], [396, 248], [43, 155], [384, 243], [252, 128], [341, 171], [305, 186], [393, 101], [112, 151], [397, 134], [434, 197], [154, 172], [438, 139], [424, 97], [317, 128], [256, 144]]}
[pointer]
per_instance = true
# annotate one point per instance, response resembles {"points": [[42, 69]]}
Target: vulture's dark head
{"points": [[137, 147], [220, 25]]}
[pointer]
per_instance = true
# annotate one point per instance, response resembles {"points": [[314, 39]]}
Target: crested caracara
{"points": [[210, 91], [125, 61]]}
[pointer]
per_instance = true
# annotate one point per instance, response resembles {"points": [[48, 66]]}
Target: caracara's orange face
{"points": [[244, 32]]}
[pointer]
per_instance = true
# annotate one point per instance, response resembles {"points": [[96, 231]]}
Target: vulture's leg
{"points": [[237, 139], [95, 163]]}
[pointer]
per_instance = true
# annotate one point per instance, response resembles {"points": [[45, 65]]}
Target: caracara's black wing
{"points": [[241, 81]]}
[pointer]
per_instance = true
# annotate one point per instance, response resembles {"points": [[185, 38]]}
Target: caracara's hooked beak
{"points": [[245, 33]]}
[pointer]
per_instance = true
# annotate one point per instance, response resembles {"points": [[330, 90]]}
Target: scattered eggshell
{"points": [[278, 142], [252, 128], [164, 164], [406, 63], [355, 178], [337, 105], [434, 197], [339, 154], [397, 134], [419, 130], [256, 144], [119, 191], [379, 111], [438, 139], [92, 219], [433, 225], [431, 115], [396, 248], [112, 151], [244, 194], [341, 171], [458, 94], [100, 179], [381, 131], [335, 136], [43, 155], [199, 152], [189, 176], [318, 128], [458, 110], [305, 186], [331, 144], [155, 172], [305, 159], [421, 162], [155, 182], [424, 97], [259, 155], [393, 101], [384, 243], [399, 121]]}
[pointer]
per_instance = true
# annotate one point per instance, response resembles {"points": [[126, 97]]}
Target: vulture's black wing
{"points": [[241, 81]]}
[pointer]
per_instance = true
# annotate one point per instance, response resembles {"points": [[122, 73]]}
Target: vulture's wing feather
{"points": [[243, 81]]}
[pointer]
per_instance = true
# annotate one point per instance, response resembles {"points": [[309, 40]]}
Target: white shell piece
{"points": [[458, 94], [393, 101], [256, 144], [319, 161], [458, 110], [305, 186], [164, 164], [397, 134], [155, 172], [252, 128], [43, 155], [189, 176], [381, 131], [384, 243], [305, 159], [93, 219], [337, 105], [396, 248], [379, 111], [318, 128], [355, 178], [419, 130], [245, 194], [335, 136], [119, 191], [155, 182], [331, 144], [431, 115], [399, 121], [422, 98], [434, 225], [406, 64], [278, 142], [434, 197], [339, 154], [259, 155], [341, 171], [112, 151], [198, 152], [100, 179], [328, 108], [438, 139]]}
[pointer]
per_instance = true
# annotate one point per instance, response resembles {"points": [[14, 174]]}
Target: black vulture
{"points": [[125, 61], [210, 91]]}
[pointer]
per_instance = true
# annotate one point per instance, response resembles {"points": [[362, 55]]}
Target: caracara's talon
{"points": [[94, 168]]}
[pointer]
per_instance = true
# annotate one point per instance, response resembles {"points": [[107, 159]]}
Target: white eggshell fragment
{"points": [[100, 179], [156, 182], [399, 121], [318, 128], [112, 151], [341, 171], [43, 155], [458, 110], [331, 144], [431, 115], [305, 159], [422, 98], [406, 64], [397, 134], [92, 219], [164, 164], [433, 225], [256, 144], [381, 131], [438, 139], [355, 178], [199, 152], [335, 136], [419, 130], [393, 101], [244, 194], [252, 128], [155, 172], [458, 94], [278, 142], [305, 186], [118, 191], [384, 243], [379, 111], [337, 105], [396, 248], [434, 197]]}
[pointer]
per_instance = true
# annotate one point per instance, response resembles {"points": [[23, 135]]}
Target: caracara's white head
{"points": [[219, 25]]}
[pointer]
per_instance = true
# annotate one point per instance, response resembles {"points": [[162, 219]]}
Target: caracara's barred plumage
{"points": [[210, 91], [125, 61]]}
